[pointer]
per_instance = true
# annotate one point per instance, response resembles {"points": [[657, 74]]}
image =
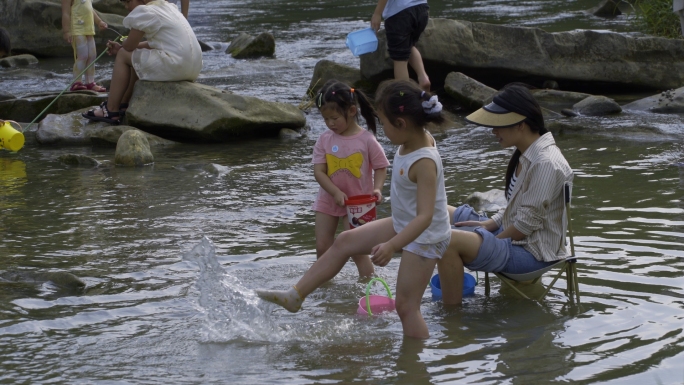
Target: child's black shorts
{"points": [[403, 30]]}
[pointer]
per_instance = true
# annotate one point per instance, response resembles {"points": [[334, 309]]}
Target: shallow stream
{"points": [[171, 252]]}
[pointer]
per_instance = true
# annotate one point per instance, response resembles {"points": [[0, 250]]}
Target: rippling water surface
{"points": [[170, 253]]}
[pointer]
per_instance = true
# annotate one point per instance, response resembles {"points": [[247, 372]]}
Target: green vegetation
{"points": [[655, 17]]}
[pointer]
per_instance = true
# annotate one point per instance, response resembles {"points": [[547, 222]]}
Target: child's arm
{"points": [[66, 20], [376, 19], [321, 175], [379, 177], [424, 174], [98, 21]]}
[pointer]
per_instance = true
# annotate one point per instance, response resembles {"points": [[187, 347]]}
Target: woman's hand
{"points": [[113, 48], [381, 254]]}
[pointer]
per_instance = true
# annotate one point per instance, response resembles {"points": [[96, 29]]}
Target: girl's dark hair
{"points": [[344, 97], [5, 44], [519, 99], [404, 99]]}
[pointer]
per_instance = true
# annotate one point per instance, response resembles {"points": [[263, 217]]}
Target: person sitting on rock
{"points": [[170, 53]]}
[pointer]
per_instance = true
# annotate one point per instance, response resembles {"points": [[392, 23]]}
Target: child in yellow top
{"points": [[78, 27]]}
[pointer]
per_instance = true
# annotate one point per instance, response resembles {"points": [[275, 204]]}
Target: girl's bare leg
{"points": [[92, 55], [363, 262], [131, 84], [80, 44], [326, 227], [349, 243], [414, 276]]}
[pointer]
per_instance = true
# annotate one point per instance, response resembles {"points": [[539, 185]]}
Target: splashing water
{"points": [[231, 310]]}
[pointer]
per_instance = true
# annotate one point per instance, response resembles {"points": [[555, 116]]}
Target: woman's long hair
{"points": [[518, 99]]}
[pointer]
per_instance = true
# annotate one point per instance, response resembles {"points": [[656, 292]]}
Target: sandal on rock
{"points": [[122, 106], [78, 86], [108, 116], [94, 87]]}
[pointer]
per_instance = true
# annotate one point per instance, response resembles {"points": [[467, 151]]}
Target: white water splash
{"points": [[232, 311]]}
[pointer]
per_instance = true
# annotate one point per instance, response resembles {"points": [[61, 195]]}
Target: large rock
{"points": [[499, 54], [18, 61], [666, 102], [468, 92], [115, 7], [35, 27], [195, 112], [74, 130], [597, 105], [326, 70], [557, 100], [246, 46], [26, 108], [133, 150]]}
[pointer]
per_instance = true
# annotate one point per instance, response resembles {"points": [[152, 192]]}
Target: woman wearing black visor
{"points": [[529, 234]]}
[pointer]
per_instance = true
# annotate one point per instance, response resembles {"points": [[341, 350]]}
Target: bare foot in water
{"points": [[289, 299]]}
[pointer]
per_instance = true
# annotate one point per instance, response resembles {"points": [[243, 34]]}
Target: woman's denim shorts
{"points": [[496, 254]]}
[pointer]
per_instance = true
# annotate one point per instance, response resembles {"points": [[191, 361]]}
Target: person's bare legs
{"points": [[131, 84], [326, 226], [416, 62], [358, 241], [414, 275], [462, 249], [401, 70], [121, 76]]}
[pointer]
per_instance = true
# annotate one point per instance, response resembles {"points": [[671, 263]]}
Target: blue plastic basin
{"points": [[468, 286], [362, 41]]}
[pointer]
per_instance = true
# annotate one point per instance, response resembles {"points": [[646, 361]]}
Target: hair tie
{"points": [[401, 93], [432, 105], [320, 99], [422, 94], [401, 108], [333, 92], [351, 90]]}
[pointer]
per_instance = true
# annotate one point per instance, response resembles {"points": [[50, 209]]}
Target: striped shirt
{"points": [[536, 205]]}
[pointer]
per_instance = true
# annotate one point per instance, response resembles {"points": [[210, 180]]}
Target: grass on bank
{"points": [[655, 17]]}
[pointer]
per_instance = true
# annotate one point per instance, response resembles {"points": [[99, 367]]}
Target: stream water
{"points": [[170, 253]]}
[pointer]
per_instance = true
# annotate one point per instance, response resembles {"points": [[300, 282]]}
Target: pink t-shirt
{"points": [[351, 161]]}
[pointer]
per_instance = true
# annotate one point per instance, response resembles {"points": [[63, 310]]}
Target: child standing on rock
{"points": [[78, 27], [419, 227], [348, 161], [405, 21]]}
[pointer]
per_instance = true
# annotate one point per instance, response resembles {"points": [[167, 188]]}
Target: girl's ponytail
{"points": [[367, 110], [404, 99]]}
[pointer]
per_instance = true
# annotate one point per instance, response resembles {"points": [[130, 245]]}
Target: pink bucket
{"points": [[375, 304], [360, 209]]}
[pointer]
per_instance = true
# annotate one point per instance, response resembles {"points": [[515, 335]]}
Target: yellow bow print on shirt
{"points": [[352, 163]]}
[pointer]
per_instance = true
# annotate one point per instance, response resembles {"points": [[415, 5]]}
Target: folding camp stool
{"points": [[566, 265]]}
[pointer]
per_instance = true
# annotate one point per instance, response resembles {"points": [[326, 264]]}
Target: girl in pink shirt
{"points": [[348, 161]]}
